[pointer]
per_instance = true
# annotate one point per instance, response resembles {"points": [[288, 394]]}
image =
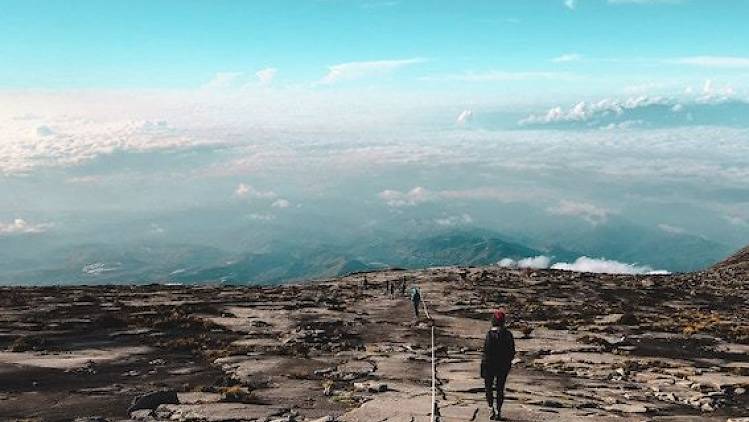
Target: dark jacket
{"points": [[499, 351]]}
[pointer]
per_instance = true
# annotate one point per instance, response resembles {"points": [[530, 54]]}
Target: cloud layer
{"points": [[711, 106], [581, 264]]}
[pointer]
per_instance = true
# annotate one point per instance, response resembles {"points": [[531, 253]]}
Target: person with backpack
{"points": [[499, 351], [416, 300]]}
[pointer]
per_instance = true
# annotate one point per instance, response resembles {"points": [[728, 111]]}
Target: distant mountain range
{"points": [[275, 262]]}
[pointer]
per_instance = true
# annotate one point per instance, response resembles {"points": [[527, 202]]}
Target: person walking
{"points": [[416, 300], [499, 351]]}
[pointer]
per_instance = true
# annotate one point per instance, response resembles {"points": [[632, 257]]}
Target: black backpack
{"points": [[498, 352]]}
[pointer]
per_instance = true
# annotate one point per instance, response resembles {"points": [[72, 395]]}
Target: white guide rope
{"points": [[434, 369]]}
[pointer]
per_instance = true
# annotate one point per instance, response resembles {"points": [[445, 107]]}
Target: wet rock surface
{"points": [[590, 347]]}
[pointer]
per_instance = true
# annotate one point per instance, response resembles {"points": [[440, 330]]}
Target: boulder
{"points": [[153, 399]]}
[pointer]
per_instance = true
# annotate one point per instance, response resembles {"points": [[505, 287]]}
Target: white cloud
{"points": [[671, 229], [415, 196], [583, 111], [223, 80], [265, 76], [247, 191], [581, 264], [570, 4], [569, 57], [464, 117], [714, 92], [454, 220], [643, 110], [20, 226], [420, 195], [537, 262], [604, 266], [363, 69], [76, 140], [591, 213], [281, 203]]}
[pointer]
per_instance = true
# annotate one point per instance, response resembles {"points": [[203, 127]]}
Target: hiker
{"points": [[392, 289], [366, 286], [416, 300], [387, 286], [499, 350], [403, 287]]}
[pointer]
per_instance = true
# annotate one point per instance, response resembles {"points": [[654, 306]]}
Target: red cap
{"points": [[499, 316]]}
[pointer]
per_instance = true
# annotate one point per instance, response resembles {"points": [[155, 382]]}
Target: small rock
{"points": [[142, 415], [707, 408], [324, 371]]}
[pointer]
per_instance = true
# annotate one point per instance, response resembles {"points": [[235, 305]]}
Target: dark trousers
{"points": [[416, 308], [496, 380]]}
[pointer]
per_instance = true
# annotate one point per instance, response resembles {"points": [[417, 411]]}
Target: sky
{"points": [[515, 116], [479, 46]]}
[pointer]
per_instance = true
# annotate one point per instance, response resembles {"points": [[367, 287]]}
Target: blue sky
{"points": [[550, 120], [599, 45]]}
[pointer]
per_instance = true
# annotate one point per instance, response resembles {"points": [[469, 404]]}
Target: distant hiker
{"points": [[416, 300], [387, 286], [403, 287], [499, 350], [366, 286], [392, 289]]}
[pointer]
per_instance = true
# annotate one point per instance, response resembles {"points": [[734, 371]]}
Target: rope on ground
{"points": [[434, 369], [434, 381], [426, 310]]}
